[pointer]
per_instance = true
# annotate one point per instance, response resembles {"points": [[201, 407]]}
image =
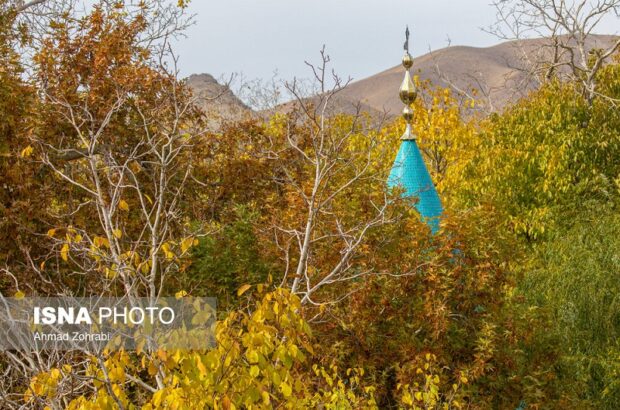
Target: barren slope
{"points": [[492, 71]]}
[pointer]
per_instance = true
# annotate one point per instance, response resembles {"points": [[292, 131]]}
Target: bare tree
{"points": [[333, 169], [261, 95], [567, 27]]}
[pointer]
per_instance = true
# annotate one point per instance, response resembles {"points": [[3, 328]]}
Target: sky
{"points": [[362, 37]]}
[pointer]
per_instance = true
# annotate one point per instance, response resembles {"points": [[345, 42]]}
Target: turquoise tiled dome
{"points": [[409, 172]]}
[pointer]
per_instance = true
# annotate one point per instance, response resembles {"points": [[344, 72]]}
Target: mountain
{"points": [[215, 98], [496, 73]]}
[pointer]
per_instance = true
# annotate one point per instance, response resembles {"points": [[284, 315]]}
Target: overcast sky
{"points": [[363, 37]]}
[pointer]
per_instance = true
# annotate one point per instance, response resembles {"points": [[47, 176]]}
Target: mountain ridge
{"points": [[496, 74]]}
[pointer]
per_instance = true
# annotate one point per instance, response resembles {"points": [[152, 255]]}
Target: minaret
{"points": [[409, 171]]}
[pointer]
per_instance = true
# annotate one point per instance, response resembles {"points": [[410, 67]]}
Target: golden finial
{"points": [[407, 92]]}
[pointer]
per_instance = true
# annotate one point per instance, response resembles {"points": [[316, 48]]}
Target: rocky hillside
{"points": [[215, 98]]}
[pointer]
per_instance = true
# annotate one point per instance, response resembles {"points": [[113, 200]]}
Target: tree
{"points": [[538, 161], [333, 171], [262, 360], [572, 278], [113, 133], [566, 27]]}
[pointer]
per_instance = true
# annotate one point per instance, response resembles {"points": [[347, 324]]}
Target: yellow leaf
{"points": [[51, 232], [254, 371], [227, 404], [243, 289], [19, 295], [158, 397], [162, 355], [110, 273], [201, 368], [407, 399], [64, 252], [186, 244], [180, 294], [26, 152], [285, 389], [117, 233], [55, 374], [152, 370], [252, 356], [266, 398], [123, 205], [100, 241]]}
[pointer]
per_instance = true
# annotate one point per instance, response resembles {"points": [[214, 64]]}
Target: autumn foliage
{"points": [[332, 293]]}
